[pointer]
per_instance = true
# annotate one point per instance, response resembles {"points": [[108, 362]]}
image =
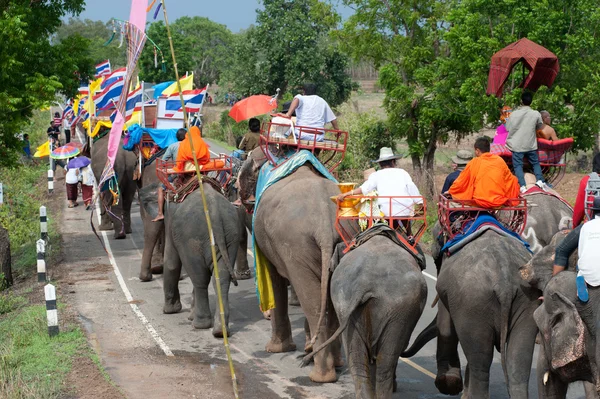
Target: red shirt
{"points": [[579, 209]]}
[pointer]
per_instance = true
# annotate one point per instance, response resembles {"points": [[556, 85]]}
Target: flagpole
{"points": [[206, 213]]}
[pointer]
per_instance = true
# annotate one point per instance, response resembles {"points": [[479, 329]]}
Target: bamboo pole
{"points": [[206, 213]]}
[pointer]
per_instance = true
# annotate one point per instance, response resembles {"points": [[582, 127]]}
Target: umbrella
{"points": [[541, 63], [79, 162], [64, 152], [252, 106]]}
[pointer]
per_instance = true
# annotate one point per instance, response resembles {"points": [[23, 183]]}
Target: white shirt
{"points": [[87, 176], [66, 124], [393, 182], [72, 177], [313, 111], [589, 252]]}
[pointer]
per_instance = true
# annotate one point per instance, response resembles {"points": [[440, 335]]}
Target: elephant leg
{"points": [[281, 335], [105, 221], [590, 390], [158, 254], [363, 371], [225, 284], [127, 214], [449, 379], [519, 354], [242, 270], [332, 325], [192, 306], [478, 344], [308, 348], [554, 387], [200, 276], [117, 221], [171, 278], [151, 237]]}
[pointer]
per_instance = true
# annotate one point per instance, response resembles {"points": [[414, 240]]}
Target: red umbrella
{"points": [[541, 63], [252, 106]]}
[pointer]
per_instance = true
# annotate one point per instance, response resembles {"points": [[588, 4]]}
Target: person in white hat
{"points": [[459, 162], [389, 181]]}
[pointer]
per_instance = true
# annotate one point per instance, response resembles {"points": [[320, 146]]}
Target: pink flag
{"points": [[137, 16], [114, 138]]}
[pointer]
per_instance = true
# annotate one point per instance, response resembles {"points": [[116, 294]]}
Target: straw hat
{"points": [[387, 154], [462, 157]]}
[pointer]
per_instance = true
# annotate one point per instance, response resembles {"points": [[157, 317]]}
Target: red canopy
{"points": [[541, 63]]}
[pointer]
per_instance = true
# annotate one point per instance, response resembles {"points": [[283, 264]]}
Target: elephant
{"points": [[124, 168], [188, 244], [546, 215], [568, 349], [296, 233], [483, 304], [154, 232], [378, 293]]}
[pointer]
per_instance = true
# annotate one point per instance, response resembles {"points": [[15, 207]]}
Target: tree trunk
{"points": [[5, 261], [429, 163]]}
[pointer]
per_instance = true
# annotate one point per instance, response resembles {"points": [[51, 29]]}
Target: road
{"points": [[270, 375]]}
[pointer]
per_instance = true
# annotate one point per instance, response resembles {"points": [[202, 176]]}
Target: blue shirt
{"points": [[450, 180]]}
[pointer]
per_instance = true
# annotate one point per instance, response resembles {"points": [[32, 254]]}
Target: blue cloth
{"points": [[162, 137], [450, 180], [159, 88], [475, 225]]}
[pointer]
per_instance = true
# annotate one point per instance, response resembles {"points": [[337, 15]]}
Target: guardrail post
{"points": [[51, 309], [50, 181], [43, 223], [41, 260]]}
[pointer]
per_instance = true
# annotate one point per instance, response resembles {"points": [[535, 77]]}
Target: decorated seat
{"points": [[280, 141], [357, 213], [219, 169], [552, 156], [456, 216]]}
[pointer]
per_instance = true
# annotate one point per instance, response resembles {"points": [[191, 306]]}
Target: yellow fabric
{"points": [[187, 83], [99, 124], [95, 85], [86, 124], [136, 118], [43, 150], [264, 286], [76, 106]]}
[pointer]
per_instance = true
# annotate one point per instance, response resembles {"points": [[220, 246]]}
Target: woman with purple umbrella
{"points": [[86, 176]]}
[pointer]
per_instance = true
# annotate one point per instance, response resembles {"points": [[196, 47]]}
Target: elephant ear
{"points": [[149, 199], [564, 336]]}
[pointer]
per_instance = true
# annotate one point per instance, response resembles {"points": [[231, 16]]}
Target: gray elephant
{"points": [[567, 327], [484, 305], [546, 215], [125, 164], [294, 226], [188, 244], [378, 293], [154, 232]]}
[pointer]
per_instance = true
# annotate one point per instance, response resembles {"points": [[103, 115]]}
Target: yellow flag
{"points": [[43, 150], [76, 106], [136, 117], [187, 83], [95, 85]]}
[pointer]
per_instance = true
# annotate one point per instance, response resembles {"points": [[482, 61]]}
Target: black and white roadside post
{"points": [[50, 181], [41, 260], [51, 310], [43, 223]]}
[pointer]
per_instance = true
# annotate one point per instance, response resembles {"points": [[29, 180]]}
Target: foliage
{"points": [[25, 30], [284, 51], [201, 46], [9, 301], [97, 33]]}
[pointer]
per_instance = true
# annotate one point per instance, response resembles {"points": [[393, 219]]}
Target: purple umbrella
{"points": [[79, 162]]}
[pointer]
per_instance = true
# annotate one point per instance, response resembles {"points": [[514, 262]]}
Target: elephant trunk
{"points": [[429, 333]]}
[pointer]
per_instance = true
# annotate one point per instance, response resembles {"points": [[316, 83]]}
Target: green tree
{"points": [[290, 45], [98, 33], [32, 70], [202, 46]]}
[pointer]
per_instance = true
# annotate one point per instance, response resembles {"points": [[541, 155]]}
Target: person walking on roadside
{"points": [[87, 186], [522, 126], [66, 130]]}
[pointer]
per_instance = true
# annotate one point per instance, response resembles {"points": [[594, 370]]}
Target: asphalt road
{"points": [[271, 375]]}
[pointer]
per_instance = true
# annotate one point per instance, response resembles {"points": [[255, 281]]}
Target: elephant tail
{"points": [[429, 333]]}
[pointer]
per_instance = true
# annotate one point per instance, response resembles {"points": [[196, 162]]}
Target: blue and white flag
{"points": [[134, 100], [193, 100], [109, 96], [113, 77], [103, 69]]}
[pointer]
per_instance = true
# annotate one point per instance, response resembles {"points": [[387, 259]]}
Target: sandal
{"points": [[71, 205]]}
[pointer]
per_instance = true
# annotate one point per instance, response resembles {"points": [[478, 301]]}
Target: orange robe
{"points": [[185, 150], [487, 181]]}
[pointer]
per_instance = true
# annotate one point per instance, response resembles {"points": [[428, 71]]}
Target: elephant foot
{"points": [[338, 362], [279, 347], [119, 236], [105, 226], [128, 230], [157, 269], [450, 383], [323, 376], [202, 324], [145, 277], [171, 308], [243, 275], [217, 332]]}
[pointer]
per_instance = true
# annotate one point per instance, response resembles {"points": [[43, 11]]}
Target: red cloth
{"points": [[541, 63], [72, 191], [579, 209], [87, 192]]}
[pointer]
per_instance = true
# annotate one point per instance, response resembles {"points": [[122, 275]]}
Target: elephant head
{"points": [[563, 331], [248, 176], [538, 271]]}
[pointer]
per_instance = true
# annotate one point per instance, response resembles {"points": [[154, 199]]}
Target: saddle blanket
{"points": [[162, 137]]}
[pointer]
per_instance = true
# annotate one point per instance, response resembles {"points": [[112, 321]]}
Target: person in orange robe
{"points": [[486, 179], [184, 154]]}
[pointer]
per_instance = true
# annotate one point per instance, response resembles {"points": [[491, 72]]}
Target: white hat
{"points": [[386, 154]]}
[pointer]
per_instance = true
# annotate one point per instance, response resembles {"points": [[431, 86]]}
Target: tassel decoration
{"points": [[157, 10], [150, 6], [155, 58], [122, 35]]}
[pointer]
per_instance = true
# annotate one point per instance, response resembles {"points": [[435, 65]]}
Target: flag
{"points": [[159, 88], [193, 100], [43, 150], [113, 77], [82, 101], [68, 113], [187, 83], [134, 99], [109, 95], [95, 86], [84, 90], [103, 69]]}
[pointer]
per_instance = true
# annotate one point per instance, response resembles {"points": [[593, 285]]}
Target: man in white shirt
{"points": [[66, 130], [390, 181], [312, 112]]}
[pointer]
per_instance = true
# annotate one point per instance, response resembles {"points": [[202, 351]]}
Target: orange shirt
{"points": [[487, 181], [185, 151]]}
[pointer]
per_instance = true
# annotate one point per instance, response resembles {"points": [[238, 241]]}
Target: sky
{"points": [[235, 14]]}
